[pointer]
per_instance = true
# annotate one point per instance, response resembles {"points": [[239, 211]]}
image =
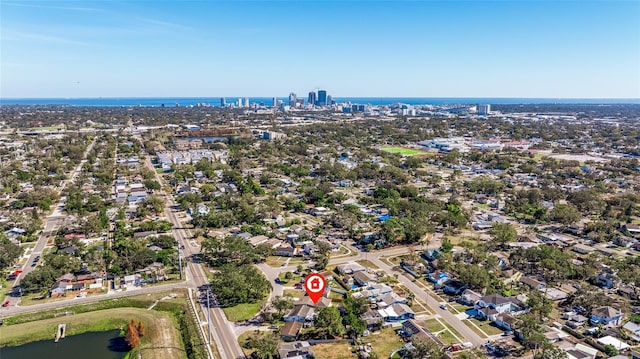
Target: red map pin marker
{"points": [[315, 285]]}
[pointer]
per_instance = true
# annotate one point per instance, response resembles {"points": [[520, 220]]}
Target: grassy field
{"points": [[160, 329], [385, 342], [405, 151], [333, 351], [242, 312]]}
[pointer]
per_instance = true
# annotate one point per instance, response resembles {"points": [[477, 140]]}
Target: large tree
{"points": [[239, 284], [566, 214], [9, 252], [329, 322], [503, 233]]}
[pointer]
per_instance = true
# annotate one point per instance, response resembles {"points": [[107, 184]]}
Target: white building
{"points": [[484, 110]]}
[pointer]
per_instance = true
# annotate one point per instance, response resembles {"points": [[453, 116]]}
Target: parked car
{"points": [[5, 304]]}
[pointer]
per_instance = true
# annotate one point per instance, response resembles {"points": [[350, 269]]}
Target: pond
{"points": [[100, 345]]}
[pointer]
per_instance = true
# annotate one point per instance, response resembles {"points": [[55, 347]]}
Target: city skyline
{"points": [[517, 49]]}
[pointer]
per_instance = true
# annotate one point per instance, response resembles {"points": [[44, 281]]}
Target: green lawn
{"points": [[434, 325], [385, 342], [333, 351], [448, 338], [405, 151], [460, 307], [242, 312], [295, 278], [293, 293], [368, 263], [276, 261], [484, 325]]}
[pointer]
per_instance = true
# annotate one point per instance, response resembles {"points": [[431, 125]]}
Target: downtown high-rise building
{"points": [[484, 109], [313, 99], [293, 99], [322, 98], [246, 102], [274, 102], [223, 102]]}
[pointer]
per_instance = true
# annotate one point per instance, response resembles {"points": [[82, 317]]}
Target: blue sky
{"points": [[580, 49]]}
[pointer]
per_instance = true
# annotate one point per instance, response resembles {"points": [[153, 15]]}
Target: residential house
{"points": [[489, 306], [59, 288], [606, 316], [374, 291], [615, 342], [581, 351], [373, 319], [257, 240], [390, 299], [506, 321], [629, 291], [582, 248], [364, 279], [300, 313], [633, 229], [634, 329], [290, 330], [145, 234], [296, 350], [607, 279], [396, 313], [130, 279], [469, 297], [454, 287], [412, 328], [438, 277], [533, 283], [285, 251], [350, 268], [576, 321]]}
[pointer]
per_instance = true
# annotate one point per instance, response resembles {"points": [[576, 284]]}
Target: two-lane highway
{"points": [[51, 223], [221, 329]]}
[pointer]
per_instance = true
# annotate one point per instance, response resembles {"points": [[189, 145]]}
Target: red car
{"points": [[6, 304]]}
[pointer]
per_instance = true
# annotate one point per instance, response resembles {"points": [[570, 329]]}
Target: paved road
{"points": [[16, 310], [374, 257], [221, 329], [434, 305], [51, 223]]}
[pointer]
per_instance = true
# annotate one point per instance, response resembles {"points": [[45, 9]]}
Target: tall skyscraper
{"points": [[275, 102], [223, 102], [322, 98], [293, 99], [312, 98], [240, 102], [246, 102], [484, 110], [329, 100]]}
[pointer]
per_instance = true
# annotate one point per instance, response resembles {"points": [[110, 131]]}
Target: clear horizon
{"points": [[216, 97], [414, 49]]}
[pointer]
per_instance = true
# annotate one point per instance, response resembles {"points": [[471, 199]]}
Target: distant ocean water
{"points": [[376, 101]]}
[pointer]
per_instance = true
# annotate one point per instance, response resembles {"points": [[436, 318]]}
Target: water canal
{"points": [[97, 345]]}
